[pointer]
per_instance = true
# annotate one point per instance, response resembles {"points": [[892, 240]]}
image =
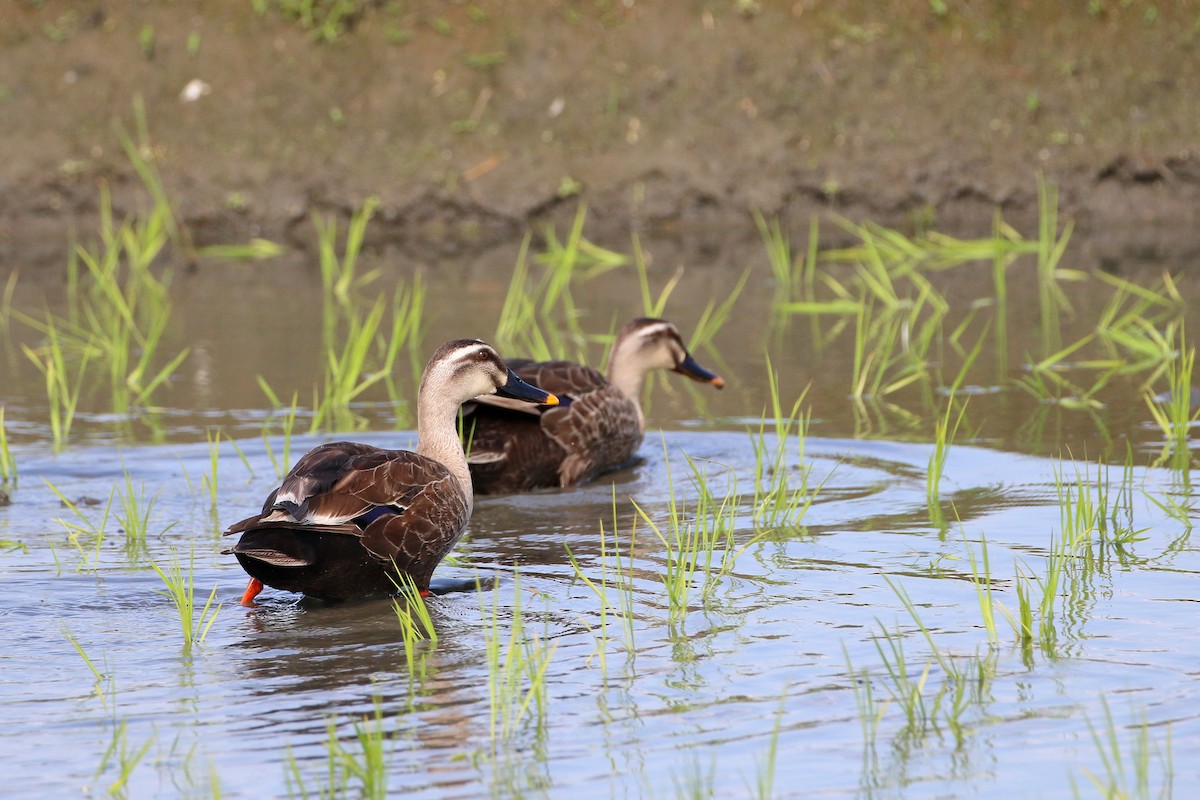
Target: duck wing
{"points": [[405, 508], [599, 431]]}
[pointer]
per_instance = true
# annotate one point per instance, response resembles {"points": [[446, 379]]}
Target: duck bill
{"points": [[518, 389], [693, 370]]}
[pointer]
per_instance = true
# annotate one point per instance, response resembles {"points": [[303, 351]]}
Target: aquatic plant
{"points": [[325, 20], [121, 757], [944, 435], [1174, 412], [360, 769], [778, 501], [416, 623], [615, 577], [84, 533], [181, 590], [764, 784], [540, 317], [62, 391], [101, 677], [690, 539], [134, 516], [8, 464], [981, 577], [362, 338], [287, 421], [652, 306], [1127, 770], [517, 663], [618, 578]]}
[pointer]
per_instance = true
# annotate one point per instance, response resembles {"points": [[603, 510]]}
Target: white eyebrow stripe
{"points": [[656, 329]]}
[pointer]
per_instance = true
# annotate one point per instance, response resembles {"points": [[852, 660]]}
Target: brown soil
{"points": [[473, 121]]}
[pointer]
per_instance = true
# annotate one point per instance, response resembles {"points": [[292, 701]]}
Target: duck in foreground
{"points": [[596, 428], [349, 517]]}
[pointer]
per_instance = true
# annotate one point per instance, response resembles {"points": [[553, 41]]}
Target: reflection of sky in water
{"points": [[699, 699]]}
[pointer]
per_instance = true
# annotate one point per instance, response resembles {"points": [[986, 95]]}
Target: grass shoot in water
{"points": [[1127, 771], [287, 423], [416, 625], [778, 502], [358, 768], [517, 661], [84, 533], [181, 590], [617, 578], [1176, 412], [134, 517], [8, 464], [62, 390]]}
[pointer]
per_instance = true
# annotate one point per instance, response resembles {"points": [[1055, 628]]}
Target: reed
{"points": [[945, 432], [905, 686], [652, 306], [519, 328], [870, 710], [181, 591], [779, 257], [358, 769], [600, 589], [540, 317], [118, 310], [1051, 244], [254, 250], [212, 478], [569, 261]]}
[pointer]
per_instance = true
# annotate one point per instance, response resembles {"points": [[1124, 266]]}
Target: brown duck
{"points": [[596, 428], [349, 517]]}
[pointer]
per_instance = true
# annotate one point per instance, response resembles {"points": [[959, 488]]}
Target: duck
{"points": [[350, 518], [597, 425]]}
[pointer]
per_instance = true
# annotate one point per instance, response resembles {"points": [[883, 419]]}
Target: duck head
{"points": [[647, 343], [465, 368]]}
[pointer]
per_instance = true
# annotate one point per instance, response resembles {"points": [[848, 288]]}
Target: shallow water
{"points": [[781, 648]]}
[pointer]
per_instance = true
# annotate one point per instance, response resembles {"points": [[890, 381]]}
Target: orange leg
{"points": [[252, 589]]}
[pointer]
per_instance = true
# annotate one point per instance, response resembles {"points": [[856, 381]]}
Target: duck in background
{"points": [[597, 426]]}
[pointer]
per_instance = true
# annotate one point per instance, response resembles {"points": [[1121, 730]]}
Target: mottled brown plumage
{"points": [[598, 426], [349, 517]]}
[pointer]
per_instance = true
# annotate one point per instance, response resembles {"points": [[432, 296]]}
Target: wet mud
{"points": [[473, 122]]}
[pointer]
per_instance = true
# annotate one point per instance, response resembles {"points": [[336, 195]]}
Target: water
{"points": [[782, 648]]}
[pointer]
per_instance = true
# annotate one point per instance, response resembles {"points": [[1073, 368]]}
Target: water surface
{"points": [[775, 656]]}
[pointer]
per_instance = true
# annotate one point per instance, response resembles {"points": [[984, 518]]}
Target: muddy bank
{"points": [[471, 122]]}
